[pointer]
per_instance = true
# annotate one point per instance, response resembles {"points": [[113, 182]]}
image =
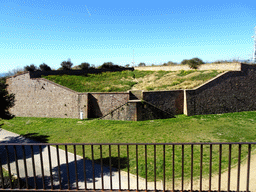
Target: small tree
{"points": [[32, 67], [84, 66], [142, 65], [107, 65], [184, 62], [66, 65], [195, 63], [6, 100], [44, 67]]}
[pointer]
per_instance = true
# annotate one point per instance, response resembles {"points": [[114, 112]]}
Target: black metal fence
{"points": [[126, 166]]}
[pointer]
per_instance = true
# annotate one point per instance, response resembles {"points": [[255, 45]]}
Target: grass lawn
{"points": [[230, 127], [140, 80]]}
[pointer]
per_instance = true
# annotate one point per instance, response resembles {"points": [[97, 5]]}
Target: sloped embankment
{"points": [[135, 80]]}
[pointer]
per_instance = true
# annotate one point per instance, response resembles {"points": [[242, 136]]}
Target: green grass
{"points": [[184, 73], [126, 80], [104, 82], [230, 127], [205, 76]]}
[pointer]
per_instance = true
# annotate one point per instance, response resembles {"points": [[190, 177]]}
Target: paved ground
{"points": [[9, 137]]}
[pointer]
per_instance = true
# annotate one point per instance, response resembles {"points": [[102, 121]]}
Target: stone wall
{"points": [[232, 91], [43, 98], [221, 66], [169, 101], [102, 103], [136, 110]]}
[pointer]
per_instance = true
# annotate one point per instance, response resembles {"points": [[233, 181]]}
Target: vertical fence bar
{"points": [[182, 168], [42, 165], [173, 174], [210, 169], [50, 164], [58, 161], [192, 154], [77, 187], [110, 167], [248, 167], [67, 166], [101, 169], [1, 173], [25, 165], [93, 173], [8, 164], [128, 168], [119, 174], [238, 172], [220, 153], [137, 172], [229, 166], [33, 164], [17, 165], [146, 168], [164, 168], [201, 166], [155, 167], [84, 166]]}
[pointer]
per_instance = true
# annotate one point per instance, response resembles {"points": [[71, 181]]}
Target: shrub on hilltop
{"points": [[44, 67], [32, 67], [110, 65], [66, 65], [192, 63]]}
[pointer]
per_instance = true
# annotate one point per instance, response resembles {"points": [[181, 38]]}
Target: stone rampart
{"points": [[221, 66], [43, 98], [137, 110], [102, 103], [233, 91], [169, 101]]}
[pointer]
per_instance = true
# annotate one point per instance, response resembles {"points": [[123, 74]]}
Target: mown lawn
{"points": [[230, 127]]}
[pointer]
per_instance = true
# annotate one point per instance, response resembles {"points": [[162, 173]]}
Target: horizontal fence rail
{"points": [[126, 166]]}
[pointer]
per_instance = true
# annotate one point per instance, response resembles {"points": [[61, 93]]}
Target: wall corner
{"points": [[185, 108]]}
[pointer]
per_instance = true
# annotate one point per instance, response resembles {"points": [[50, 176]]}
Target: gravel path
{"points": [[9, 137]]}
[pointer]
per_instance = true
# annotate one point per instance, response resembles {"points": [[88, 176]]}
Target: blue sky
{"points": [[51, 31]]}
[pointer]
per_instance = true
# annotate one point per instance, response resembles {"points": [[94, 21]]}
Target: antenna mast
{"points": [[133, 59], [254, 50]]}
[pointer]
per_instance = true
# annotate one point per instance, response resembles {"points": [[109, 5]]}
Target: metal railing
{"points": [[125, 166]]}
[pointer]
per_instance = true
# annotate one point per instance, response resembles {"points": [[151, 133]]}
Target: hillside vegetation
{"points": [[134, 80]]}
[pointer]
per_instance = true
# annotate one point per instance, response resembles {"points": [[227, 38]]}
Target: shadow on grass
{"points": [[36, 137], [114, 162]]}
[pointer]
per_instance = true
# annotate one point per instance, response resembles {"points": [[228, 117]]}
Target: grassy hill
{"points": [[134, 80]]}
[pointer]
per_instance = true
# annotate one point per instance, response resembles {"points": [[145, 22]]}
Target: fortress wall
{"points": [[101, 104], [221, 66], [43, 98], [233, 91], [170, 101]]}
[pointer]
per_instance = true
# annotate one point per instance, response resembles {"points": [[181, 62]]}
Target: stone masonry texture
{"points": [[101, 104], [42, 98], [169, 101], [234, 91]]}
